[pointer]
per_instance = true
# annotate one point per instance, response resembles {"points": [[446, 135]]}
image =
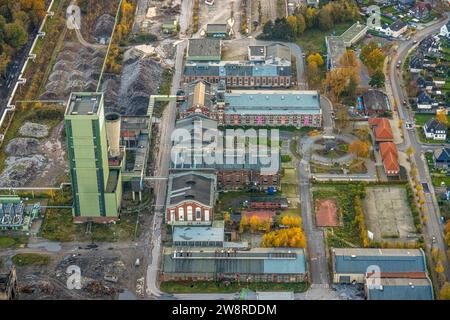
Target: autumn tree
{"points": [[254, 223], [360, 148], [325, 19], [410, 151], [441, 116], [15, 35], [243, 224], [291, 221], [377, 79], [372, 57], [315, 58], [444, 293], [290, 237]]}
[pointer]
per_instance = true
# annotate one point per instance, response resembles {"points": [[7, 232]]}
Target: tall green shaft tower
{"points": [[96, 186]]}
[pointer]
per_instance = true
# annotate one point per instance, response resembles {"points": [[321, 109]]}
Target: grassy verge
{"points": [[220, 287], [58, 226], [420, 119], [12, 242], [30, 259]]}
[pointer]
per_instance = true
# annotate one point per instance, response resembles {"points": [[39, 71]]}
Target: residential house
{"points": [[435, 130], [382, 129], [445, 30], [351, 265], [422, 10], [441, 158], [397, 28], [190, 199], [424, 101], [215, 264]]}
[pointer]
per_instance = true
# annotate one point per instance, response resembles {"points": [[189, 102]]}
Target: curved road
{"points": [[433, 226]]}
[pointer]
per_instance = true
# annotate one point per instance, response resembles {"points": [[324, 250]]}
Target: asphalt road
{"points": [[162, 168], [433, 226]]}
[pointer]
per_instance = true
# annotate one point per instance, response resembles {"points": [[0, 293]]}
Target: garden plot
{"points": [[388, 214]]}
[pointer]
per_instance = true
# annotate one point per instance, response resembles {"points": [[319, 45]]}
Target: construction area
{"points": [[388, 215], [35, 155], [104, 274]]}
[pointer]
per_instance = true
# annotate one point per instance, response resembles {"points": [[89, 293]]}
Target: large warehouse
{"points": [[257, 264]]}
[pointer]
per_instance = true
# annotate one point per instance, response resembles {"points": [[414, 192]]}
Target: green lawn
{"points": [[420, 119], [438, 178], [423, 139], [30, 259], [9, 242], [313, 40], [220, 287], [58, 226]]}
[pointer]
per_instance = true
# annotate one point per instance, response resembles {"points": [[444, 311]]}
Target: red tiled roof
{"points": [[382, 129], [390, 162], [388, 147]]}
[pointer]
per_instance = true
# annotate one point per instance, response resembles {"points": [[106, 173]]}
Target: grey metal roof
{"points": [[402, 289], [191, 186], [197, 233], [257, 50], [388, 260], [272, 102], [205, 47], [278, 50], [228, 261], [216, 28]]}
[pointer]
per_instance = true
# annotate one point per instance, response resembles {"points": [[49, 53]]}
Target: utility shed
{"points": [[216, 30], [351, 264]]}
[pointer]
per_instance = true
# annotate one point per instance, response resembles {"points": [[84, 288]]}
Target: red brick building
{"points": [[190, 198]]}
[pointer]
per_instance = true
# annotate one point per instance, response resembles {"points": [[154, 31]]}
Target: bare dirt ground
{"points": [[388, 214], [50, 281], [36, 162], [220, 12]]}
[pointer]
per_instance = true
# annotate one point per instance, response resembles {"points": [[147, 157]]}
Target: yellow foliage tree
{"points": [[291, 221], [360, 148], [243, 224], [441, 117], [290, 237], [254, 223], [444, 293]]}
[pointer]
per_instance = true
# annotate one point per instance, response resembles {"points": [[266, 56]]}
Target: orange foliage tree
{"points": [[290, 237]]}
